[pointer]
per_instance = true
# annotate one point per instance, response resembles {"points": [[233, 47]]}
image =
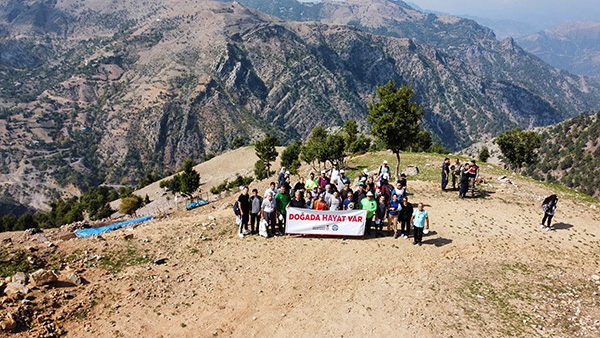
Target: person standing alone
{"points": [[418, 220]]}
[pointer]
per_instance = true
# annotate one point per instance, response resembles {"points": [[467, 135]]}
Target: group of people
{"points": [[332, 190], [464, 174]]}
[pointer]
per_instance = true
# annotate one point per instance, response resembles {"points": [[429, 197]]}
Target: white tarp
{"points": [[331, 223]]}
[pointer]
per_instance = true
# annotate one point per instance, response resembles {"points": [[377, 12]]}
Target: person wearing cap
{"points": [[282, 199], [322, 181], [342, 180], [364, 174], [334, 174], [384, 169], [419, 217], [269, 212], [321, 204], [310, 183], [281, 177], [399, 191], [369, 204]]}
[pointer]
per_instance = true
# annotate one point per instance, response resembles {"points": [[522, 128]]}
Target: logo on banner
{"points": [[335, 227]]}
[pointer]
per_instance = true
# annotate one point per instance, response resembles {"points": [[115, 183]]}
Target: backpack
{"points": [[236, 209]]}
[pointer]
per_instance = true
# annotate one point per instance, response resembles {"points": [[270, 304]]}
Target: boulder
{"points": [[504, 179], [75, 279], [67, 236], [20, 277], [9, 322], [411, 170], [30, 232], [42, 277], [15, 289]]}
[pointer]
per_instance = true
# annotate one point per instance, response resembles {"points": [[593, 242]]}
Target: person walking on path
{"points": [[395, 208], [282, 200], [405, 216], [269, 212], [418, 220], [255, 211], [445, 173], [244, 206], [369, 204], [549, 206]]}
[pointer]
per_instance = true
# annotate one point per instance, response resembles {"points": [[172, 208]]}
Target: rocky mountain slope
{"points": [[573, 46], [96, 92], [570, 154]]}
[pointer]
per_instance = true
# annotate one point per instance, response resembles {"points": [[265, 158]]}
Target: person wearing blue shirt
{"points": [[418, 220], [393, 214], [349, 203]]}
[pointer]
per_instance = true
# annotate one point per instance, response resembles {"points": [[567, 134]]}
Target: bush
{"points": [[260, 170], [129, 205], [484, 154]]}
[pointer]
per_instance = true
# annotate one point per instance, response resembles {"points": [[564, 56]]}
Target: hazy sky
{"points": [[537, 12]]}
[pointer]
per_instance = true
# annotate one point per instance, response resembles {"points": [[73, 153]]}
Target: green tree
{"points": [[395, 118], [351, 130], [289, 157], [260, 171], [518, 146], [313, 149], [238, 142], [129, 205], [484, 154], [266, 151], [26, 221], [334, 148], [190, 179]]}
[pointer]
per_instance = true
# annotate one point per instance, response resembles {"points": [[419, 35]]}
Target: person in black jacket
{"points": [[244, 205], [404, 217], [464, 182], [381, 215], [298, 201]]}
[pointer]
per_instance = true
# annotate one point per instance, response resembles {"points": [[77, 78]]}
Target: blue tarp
{"points": [[96, 231], [196, 204]]}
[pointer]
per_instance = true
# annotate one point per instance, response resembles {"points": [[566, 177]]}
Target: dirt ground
{"points": [[486, 269]]}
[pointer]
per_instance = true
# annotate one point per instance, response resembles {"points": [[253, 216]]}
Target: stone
{"points": [[595, 277], [13, 289], [411, 170], [67, 236], [20, 277], [160, 261], [42, 277], [128, 236], [504, 179], [75, 279], [30, 232], [9, 322]]}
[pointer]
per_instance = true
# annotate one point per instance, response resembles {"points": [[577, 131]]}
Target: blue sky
{"points": [[536, 12]]}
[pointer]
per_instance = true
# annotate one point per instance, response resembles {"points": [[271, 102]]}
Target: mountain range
{"points": [[101, 92], [573, 46]]}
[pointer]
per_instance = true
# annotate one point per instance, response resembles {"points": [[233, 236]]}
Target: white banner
{"points": [[332, 223]]}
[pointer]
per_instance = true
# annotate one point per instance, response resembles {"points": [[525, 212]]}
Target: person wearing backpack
{"points": [[549, 206], [244, 207]]}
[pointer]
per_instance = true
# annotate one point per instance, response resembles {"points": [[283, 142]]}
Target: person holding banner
{"points": [[419, 217], [282, 200], [369, 204], [269, 213]]}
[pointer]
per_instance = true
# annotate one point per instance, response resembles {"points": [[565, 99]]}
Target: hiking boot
{"points": [[420, 243]]}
